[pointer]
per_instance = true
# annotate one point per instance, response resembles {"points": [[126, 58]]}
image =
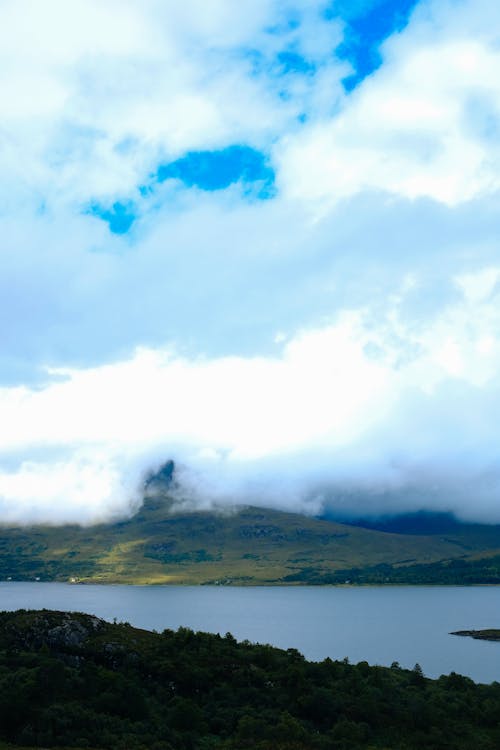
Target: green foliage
{"points": [[73, 681], [444, 572]]}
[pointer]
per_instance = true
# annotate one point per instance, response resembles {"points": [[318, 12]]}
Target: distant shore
{"points": [[480, 635]]}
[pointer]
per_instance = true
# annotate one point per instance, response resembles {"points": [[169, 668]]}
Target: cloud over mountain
{"points": [[318, 329]]}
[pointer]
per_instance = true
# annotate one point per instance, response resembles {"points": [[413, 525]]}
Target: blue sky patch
{"points": [[366, 30], [120, 216], [292, 62], [207, 170], [216, 170]]}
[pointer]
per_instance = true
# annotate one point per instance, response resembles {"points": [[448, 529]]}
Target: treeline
{"points": [[446, 572], [75, 681]]}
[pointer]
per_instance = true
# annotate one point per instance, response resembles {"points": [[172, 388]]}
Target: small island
{"points": [[480, 635]]}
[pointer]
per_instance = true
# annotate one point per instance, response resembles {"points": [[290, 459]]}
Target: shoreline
{"points": [[260, 584]]}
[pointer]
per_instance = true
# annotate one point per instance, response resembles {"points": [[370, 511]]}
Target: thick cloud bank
{"points": [[322, 334], [353, 416]]}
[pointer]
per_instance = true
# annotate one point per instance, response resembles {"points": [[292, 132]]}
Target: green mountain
{"points": [[70, 680], [249, 546]]}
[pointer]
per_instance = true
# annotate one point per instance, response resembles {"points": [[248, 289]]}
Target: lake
{"points": [[379, 625]]}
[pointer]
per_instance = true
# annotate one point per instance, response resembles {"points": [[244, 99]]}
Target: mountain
{"points": [[247, 546], [70, 680], [421, 522]]}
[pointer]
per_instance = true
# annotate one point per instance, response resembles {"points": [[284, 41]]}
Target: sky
{"points": [[258, 238]]}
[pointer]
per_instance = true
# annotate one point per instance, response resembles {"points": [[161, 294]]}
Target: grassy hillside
{"points": [[253, 546]]}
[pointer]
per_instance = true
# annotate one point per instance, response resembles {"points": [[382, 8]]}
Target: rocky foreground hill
{"points": [[72, 680]]}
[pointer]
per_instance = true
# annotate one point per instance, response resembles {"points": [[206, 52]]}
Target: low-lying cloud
{"points": [[353, 417]]}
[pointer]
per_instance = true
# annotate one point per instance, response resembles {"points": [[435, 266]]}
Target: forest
{"points": [[457, 572], [70, 680]]}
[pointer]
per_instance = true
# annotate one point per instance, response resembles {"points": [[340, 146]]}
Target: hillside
{"points": [[73, 680], [252, 546]]}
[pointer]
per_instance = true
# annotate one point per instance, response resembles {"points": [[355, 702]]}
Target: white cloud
{"points": [[425, 125], [335, 409], [338, 344], [94, 94]]}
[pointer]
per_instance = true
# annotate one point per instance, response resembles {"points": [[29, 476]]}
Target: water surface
{"points": [[379, 625]]}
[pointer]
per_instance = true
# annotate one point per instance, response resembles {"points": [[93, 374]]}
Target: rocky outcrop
{"points": [[54, 630]]}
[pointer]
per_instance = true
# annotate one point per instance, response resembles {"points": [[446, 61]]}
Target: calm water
{"points": [[378, 624]]}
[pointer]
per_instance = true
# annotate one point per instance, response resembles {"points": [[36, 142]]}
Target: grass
{"points": [[253, 546]]}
